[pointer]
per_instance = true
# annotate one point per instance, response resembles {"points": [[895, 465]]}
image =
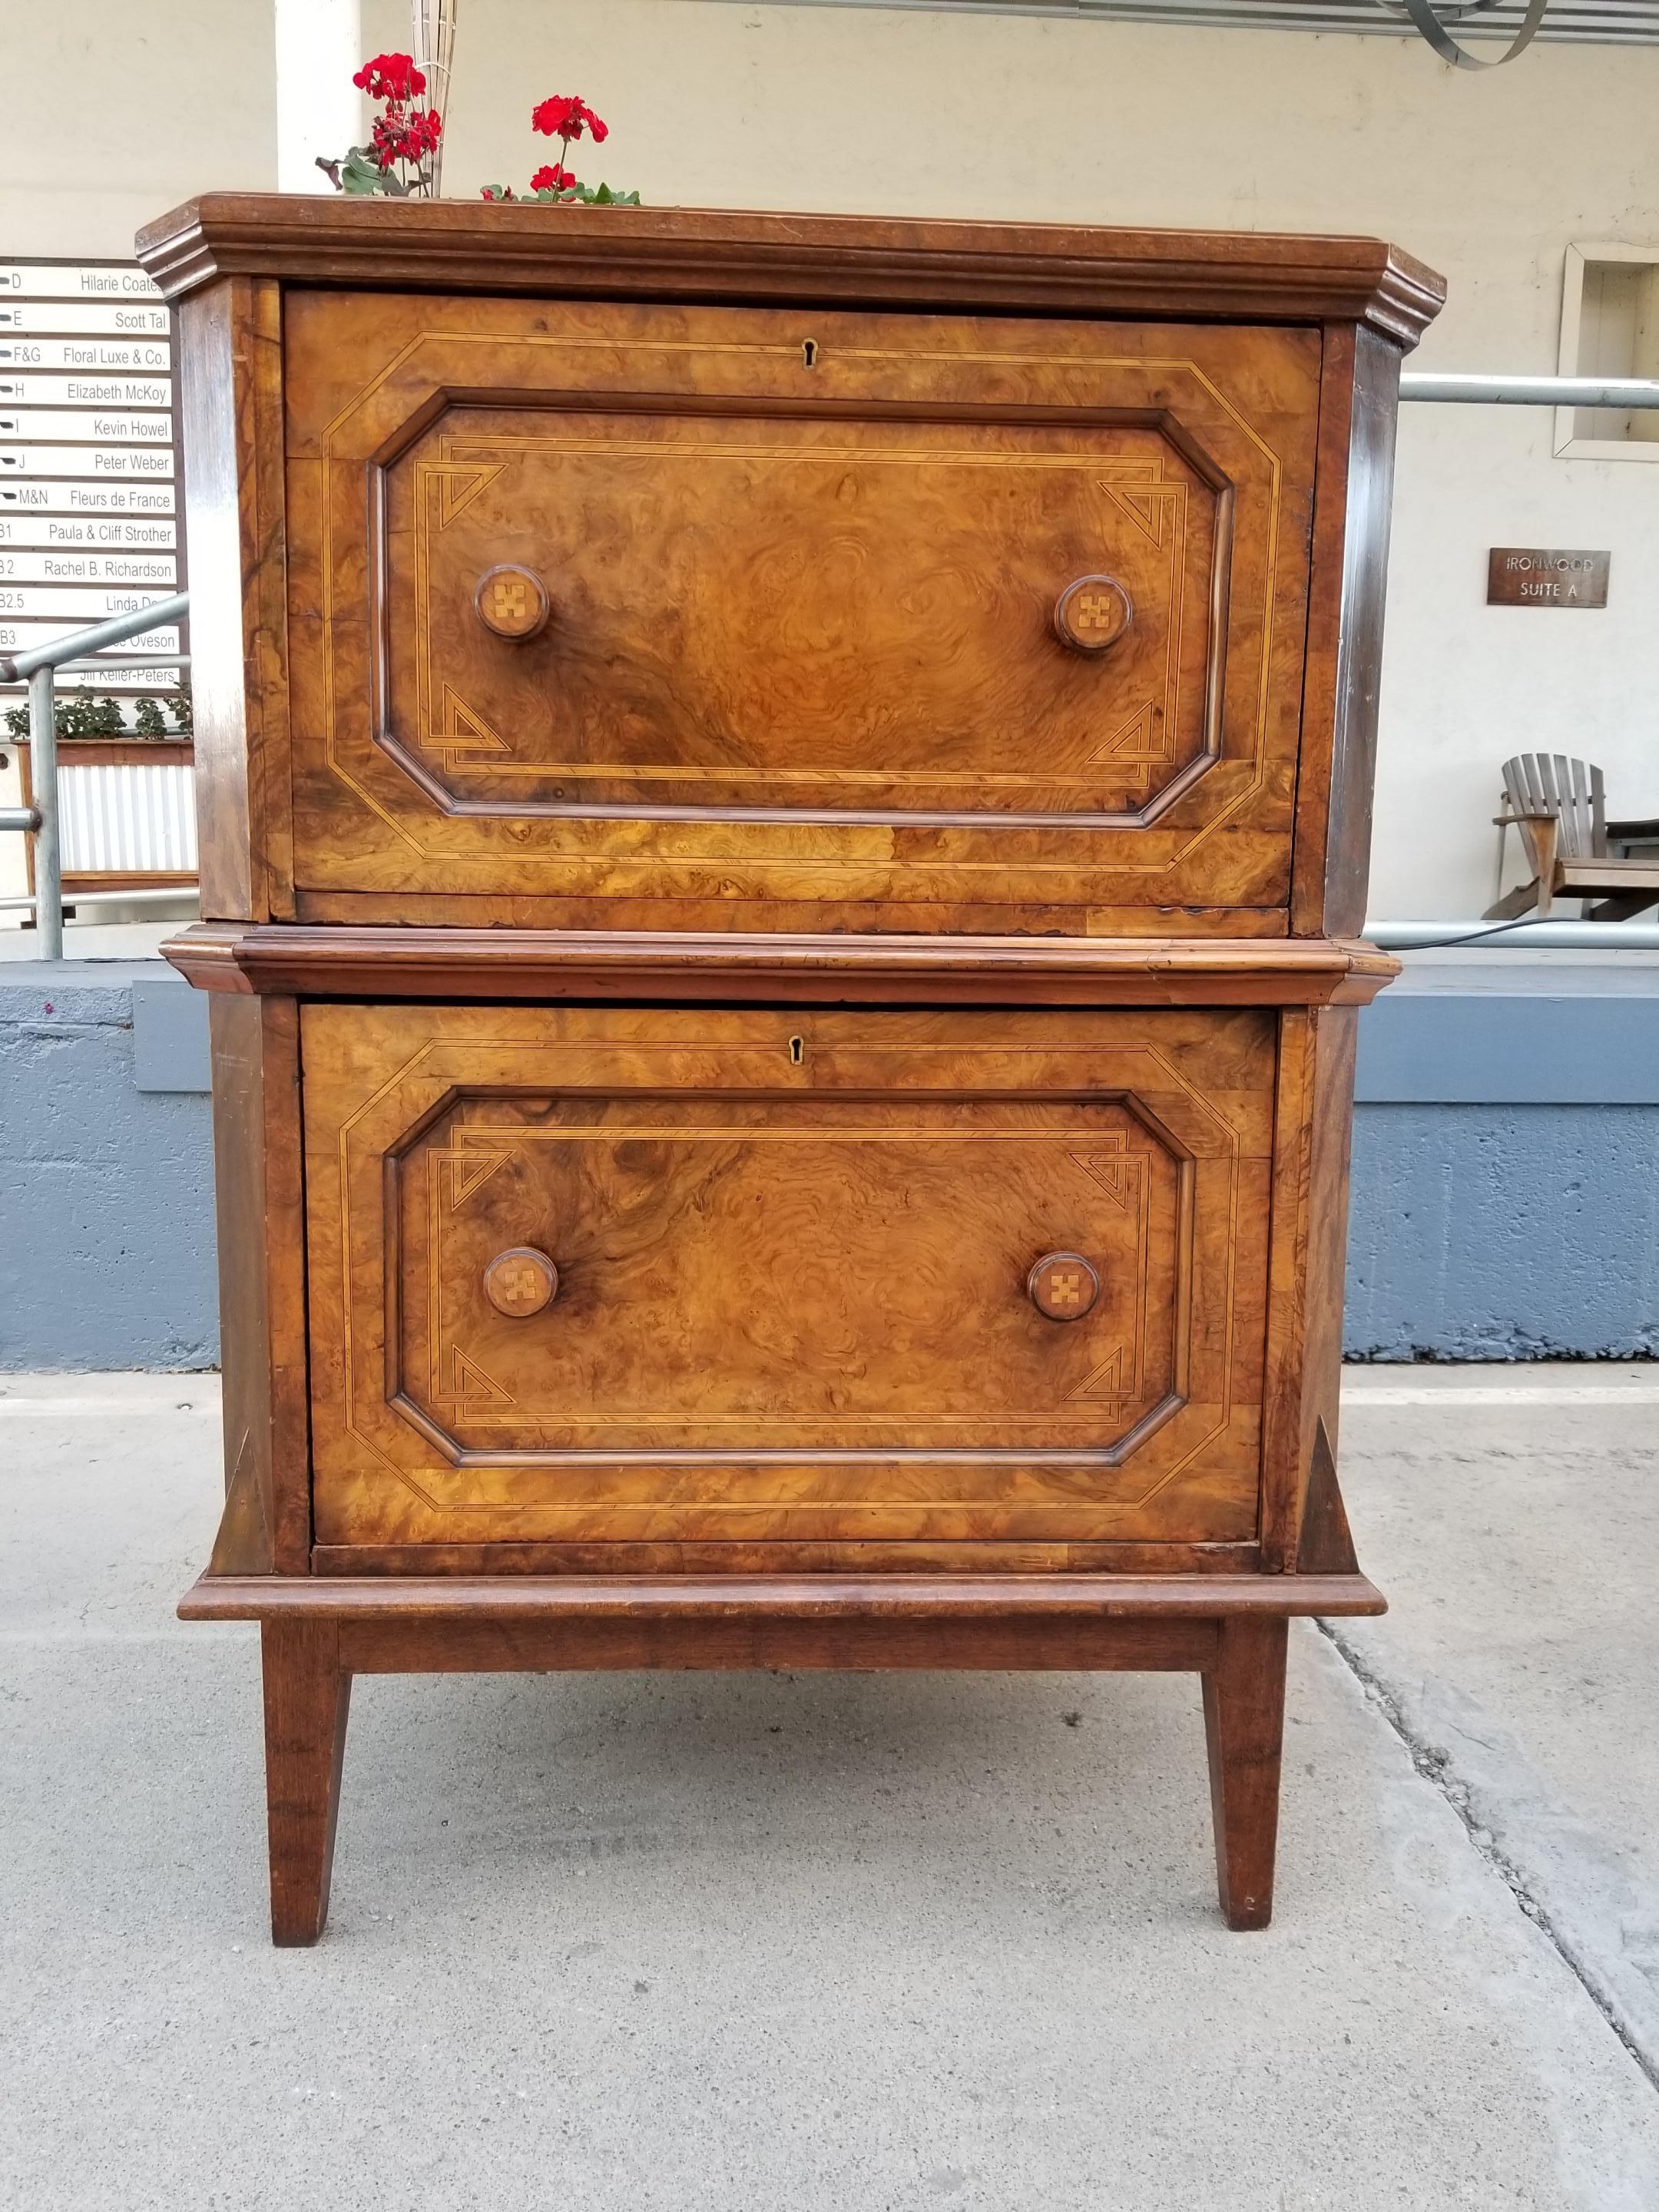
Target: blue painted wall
{"points": [[107, 1249], [1505, 1182], [1504, 1232]]}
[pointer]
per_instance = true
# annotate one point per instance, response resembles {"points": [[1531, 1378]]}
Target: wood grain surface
{"points": [[803, 648], [793, 1250], [1359, 402], [262, 1318], [307, 1697], [1245, 1724], [230, 382], [728, 965], [823, 1600]]}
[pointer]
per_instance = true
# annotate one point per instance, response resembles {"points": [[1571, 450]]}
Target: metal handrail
{"points": [[1619, 392], [1540, 932], [38, 668]]}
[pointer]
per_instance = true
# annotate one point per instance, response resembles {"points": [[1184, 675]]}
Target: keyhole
{"points": [[809, 353], [797, 1050]]}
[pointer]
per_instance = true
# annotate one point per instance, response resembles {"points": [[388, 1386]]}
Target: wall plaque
{"points": [[1546, 576]]}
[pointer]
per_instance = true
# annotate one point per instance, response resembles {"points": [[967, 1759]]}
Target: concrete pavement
{"points": [[815, 1942]]}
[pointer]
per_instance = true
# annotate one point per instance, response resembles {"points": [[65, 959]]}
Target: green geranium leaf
{"points": [[360, 173]]}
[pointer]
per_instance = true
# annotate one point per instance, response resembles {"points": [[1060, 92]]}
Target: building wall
{"points": [[106, 1244], [116, 110], [1503, 1232]]}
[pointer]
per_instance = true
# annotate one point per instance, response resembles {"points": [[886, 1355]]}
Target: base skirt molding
{"points": [[316, 1635]]}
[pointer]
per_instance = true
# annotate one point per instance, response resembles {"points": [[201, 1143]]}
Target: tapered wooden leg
{"points": [[1244, 1722], [307, 1693]]}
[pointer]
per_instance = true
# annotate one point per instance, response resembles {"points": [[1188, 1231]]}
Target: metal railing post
{"points": [[37, 666], [42, 779]]}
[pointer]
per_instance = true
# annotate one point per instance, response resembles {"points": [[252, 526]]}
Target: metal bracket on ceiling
{"points": [[1422, 13]]}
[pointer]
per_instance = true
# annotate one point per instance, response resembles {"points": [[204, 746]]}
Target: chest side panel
{"points": [[732, 605], [648, 1275]]}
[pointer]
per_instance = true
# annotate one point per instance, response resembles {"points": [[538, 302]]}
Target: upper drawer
{"points": [[898, 617]]}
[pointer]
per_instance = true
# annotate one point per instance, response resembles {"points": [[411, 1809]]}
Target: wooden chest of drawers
{"points": [[785, 807]]}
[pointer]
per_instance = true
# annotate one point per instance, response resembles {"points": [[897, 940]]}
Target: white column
{"points": [[318, 109]]}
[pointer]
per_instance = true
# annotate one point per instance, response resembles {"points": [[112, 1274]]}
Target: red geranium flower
{"points": [[554, 179], [390, 77], [406, 137], [566, 117]]}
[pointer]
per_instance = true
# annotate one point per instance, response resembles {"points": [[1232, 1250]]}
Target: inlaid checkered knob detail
{"points": [[513, 602], [520, 1282], [1093, 614], [1062, 1286]]}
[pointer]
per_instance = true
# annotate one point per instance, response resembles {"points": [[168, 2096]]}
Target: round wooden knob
{"points": [[1092, 614], [520, 1282], [1063, 1285], [513, 602]]}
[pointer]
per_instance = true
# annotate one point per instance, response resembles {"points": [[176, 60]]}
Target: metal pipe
{"points": [[1618, 392], [104, 660], [19, 817], [42, 782], [166, 895], [59, 651], [1549, 936]]}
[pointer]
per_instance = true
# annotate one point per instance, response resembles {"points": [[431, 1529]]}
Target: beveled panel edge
{"points": [[780, 1597], [861, 1557], [782, 260], [340, 962]]}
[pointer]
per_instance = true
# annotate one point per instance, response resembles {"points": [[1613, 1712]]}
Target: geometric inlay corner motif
{"points": [[458, 487], [462, 732], [471, 1386], [1148, 510], [1142, 738], [468, 1171]]}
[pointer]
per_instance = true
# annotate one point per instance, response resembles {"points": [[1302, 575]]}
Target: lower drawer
{"points": [[579, 1276]]}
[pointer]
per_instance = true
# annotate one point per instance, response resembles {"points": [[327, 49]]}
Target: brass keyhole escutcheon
{"points": [[513, 602], [1062, 1286], [1093, 614], [520, 1282]]}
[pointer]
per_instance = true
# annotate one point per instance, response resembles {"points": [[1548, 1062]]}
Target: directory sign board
{"points": [[90, 524]]}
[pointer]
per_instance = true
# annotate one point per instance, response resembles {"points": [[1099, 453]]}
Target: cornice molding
{"points": [[788, 260]]}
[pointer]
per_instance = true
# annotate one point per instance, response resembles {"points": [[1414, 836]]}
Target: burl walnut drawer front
{"points": [[653, 603], [581, 1276]]}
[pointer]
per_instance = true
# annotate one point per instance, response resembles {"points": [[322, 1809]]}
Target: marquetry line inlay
{"points": [[428, 360], [1119, 772], [412, 1443]]}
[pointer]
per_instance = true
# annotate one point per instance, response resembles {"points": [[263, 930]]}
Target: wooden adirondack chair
{"points": [[1558, 806]]}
